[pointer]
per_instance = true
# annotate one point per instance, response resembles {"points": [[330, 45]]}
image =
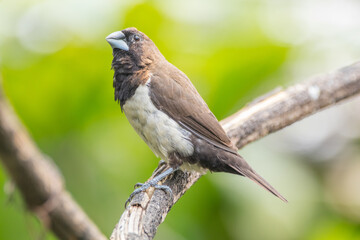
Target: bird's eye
{"points": [[136, 37]]}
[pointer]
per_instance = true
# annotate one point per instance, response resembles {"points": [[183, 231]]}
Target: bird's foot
{"points": [[142, 187]]}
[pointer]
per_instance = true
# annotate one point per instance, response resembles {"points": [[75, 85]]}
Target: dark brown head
{"points": [[132, 50], [134, 54]]}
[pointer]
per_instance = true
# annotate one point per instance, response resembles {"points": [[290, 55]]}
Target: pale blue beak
{"points": [[117, 40]]}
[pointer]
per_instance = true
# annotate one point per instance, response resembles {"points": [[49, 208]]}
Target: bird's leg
{"points": [[153, 183], [160, 168]]}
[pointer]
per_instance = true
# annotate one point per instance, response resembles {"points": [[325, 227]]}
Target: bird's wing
{"points": [[173, 93]]}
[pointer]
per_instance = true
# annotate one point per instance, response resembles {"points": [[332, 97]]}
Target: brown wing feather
{"points": [[173, 93]]}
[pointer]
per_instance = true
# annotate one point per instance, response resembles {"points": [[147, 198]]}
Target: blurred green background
{"points": [[55, 70]]}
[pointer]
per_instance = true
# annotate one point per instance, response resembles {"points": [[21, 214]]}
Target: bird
{"points": [[168, 113]]}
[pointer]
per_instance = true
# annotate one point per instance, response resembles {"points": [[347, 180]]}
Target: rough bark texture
{"points": [[258, 119], [39, 181]]}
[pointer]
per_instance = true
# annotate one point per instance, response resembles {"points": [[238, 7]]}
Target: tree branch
{"points": [[40, 182], [258, 119]]}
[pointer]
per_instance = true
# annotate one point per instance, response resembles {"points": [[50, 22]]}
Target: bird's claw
{"points": [[138, 185], [165, 188], [141, 187]]}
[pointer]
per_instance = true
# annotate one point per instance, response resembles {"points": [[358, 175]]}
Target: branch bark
{"points": [[263, 116], [40, 182]]}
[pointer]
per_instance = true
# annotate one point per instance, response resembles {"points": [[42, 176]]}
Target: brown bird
{"points": [[169, 114]]}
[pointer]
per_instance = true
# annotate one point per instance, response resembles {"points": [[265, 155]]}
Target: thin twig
{"points": [[39, 181], [258, 119]]}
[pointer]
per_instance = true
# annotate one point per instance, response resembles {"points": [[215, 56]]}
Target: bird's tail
{"points": [[247, 171]]}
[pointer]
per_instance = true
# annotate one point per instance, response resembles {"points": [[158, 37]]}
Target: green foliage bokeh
{"points": [[65, 99]]}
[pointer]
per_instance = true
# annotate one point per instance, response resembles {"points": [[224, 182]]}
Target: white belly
{"points": [[158, 130]]}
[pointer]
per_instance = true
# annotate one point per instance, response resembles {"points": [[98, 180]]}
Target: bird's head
{"points": [[132, 50]]}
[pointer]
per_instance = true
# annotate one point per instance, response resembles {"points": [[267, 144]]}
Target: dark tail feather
{"points": [[248, 172]]}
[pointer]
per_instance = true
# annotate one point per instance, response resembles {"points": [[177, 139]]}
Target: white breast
{"points": [[158, 130]]}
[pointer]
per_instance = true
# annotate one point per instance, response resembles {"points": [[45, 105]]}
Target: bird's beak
{"points": [[117, 40]]}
